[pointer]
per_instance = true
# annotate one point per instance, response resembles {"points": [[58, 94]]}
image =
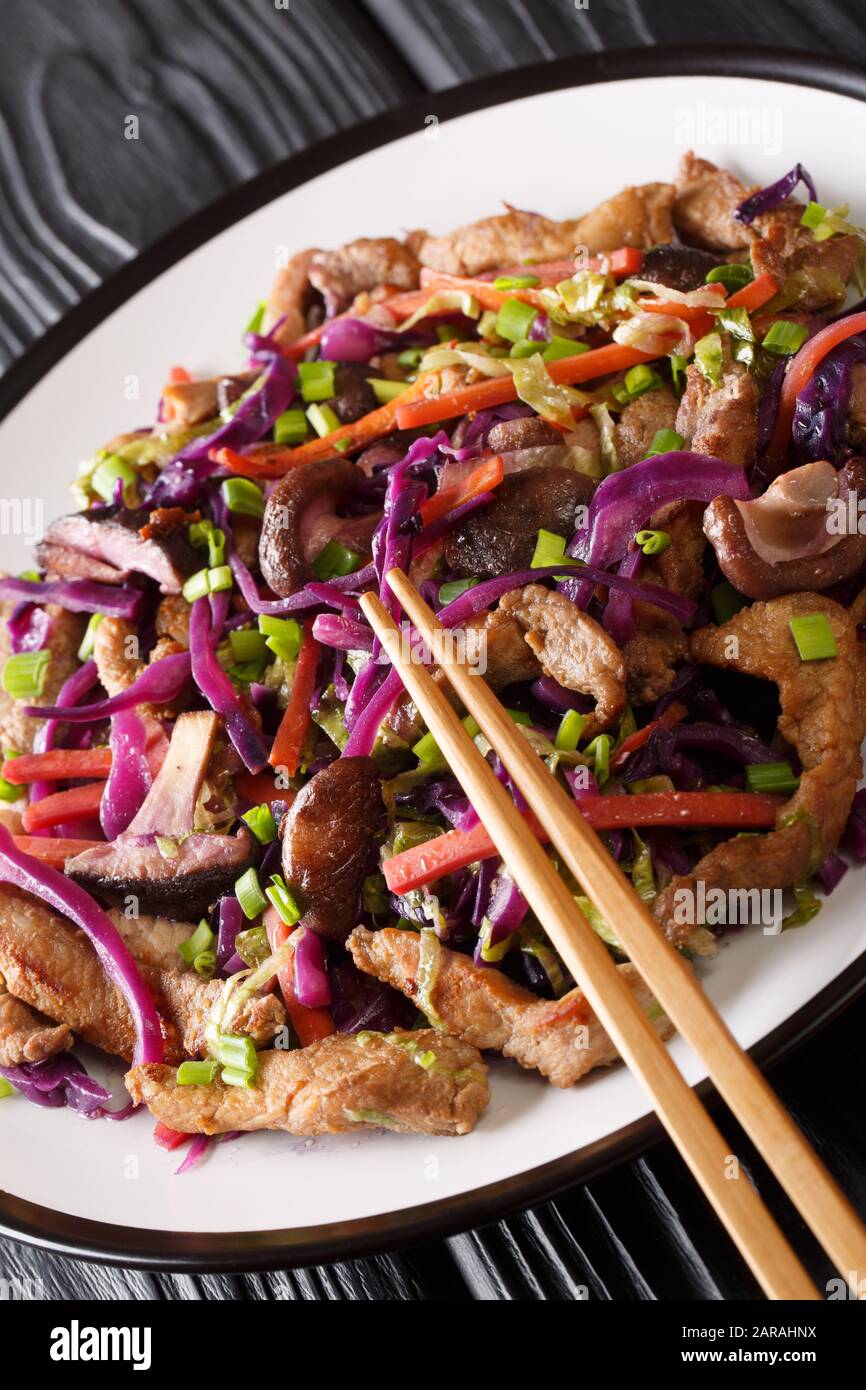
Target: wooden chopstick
{"points": [[709, 1157], [747, 1093]]}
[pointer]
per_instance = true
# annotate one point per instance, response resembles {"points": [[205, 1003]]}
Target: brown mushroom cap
{"points": [[282, 556]]}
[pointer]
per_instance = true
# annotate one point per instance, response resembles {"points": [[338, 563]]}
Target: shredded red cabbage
{"points": [[63, 1081], [663, 752], [76, 596], [194, 1154], [356, 340], [218, 690], [311, 979], [831, 872], [78, 685], [467, 604], [28, 627], [129, 779], [821, 413], [158, 684], [774, 194], [343, 633], [362, 739], [71, 901], [505, 913], [360, 1003], [231, 921]]}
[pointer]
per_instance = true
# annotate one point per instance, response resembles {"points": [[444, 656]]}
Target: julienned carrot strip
{"points": [[672, 715], [694, 314], [484, 478], [289, 742], [58, 765], [258, 787], [75, 804], [613, 357], [800, 369], [626, 261], [53, 851], [456, 849], [753, 296], [310, 1025], [268, 462], [362, 431]]}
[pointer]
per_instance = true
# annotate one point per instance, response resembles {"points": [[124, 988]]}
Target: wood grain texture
{"points": [[222, 88]]}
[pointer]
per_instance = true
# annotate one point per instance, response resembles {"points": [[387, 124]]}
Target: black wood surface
{"points": [[222, 89]]}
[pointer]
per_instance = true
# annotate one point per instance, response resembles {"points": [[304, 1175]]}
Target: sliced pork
{"points": [[114, 536], [27, 1036]]}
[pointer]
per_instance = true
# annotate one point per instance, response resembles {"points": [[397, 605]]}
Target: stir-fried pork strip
{"points": [[141, 539], [362, 265], [18, 730], [51, 966], [706, 200], [336, 1086], [823, 717], [154, 941], [27, 1036], [561, 1038]]}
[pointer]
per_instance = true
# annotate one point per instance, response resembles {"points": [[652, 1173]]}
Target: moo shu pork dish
{"points": [[620, 456]]}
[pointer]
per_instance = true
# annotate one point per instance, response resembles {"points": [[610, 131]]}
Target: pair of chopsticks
{"points": [[726, 1185]]}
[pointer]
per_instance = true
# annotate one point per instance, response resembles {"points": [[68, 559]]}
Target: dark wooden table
{"points": [[222, 89]]}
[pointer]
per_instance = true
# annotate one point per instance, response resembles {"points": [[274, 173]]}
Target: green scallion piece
{"points": [[525, 347], [283, 636], [236, 1051], [563, 347], [8, 790], [772, 777], [599, 750], [219, 578], [334, 560], [24, 674], [197, 586], [726, 601], [653, 542], [636, 382], [342, 446], [260, 820], [205, 964], [678, 371], [453, 590], [785, 338], [85, 651], [257, 318], [570, 729], [247, 645], [252, 946], [233, 1076], [385, 390], [410, 357], [323, 420], [6, 1088], [104, 478], [248, 892], [243, 496], [281, 897], [733, 277], [708, 357], [197, 1073], [814, 637], [201, 940], [291, 427], [550, 550], [813, 215], [665, 442], [516, 282], [317, 380], [515, 319]]}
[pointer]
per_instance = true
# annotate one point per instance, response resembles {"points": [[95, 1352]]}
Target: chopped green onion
{"points": [[492, 955], [808, 905], [733, 277], [201, 940], [197, 586], [290, 427], [737, 323], [726, 601], [197, 1073], [448, 592], [665, 442], [599, 751], [243, 496], [24, 674], [653, 542], [385, 390], [636, 382], [205, 964], [444, 332], [8, 790], [785, 338], [235, 1050], [260, 820], [89, 638], [525, 347], [219, 578], [247, 671], [516, 282], [813, 215], [247, 644], [569, 731], [515, 319], [678, 371], [563, 347], [410, 357], [550, 550], [33, 575], [342, 446], [6, 1088], [104, 479], [248, 892], [708, 357], [252, 946], [283, 636], [323, 420], [317, 380], [232, 1076], [335, 559], [771, 777], [256, 319], [216, 548], [814, 637], [281, 897]]}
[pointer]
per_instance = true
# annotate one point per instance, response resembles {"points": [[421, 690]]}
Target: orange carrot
{"points": [[289, 742], [76, 804], [360, 432], [755, 295], [800, 369], [627, 261], [53, 851], [613, 357], [177, 375], [269, 461], [484, 478], [259, 787], [58, 765]]}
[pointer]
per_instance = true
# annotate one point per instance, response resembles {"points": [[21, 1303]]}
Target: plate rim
{"points": [[238, 1252]]}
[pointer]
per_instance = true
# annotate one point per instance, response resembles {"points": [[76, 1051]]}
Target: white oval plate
{"points": [[270, 1198]]}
